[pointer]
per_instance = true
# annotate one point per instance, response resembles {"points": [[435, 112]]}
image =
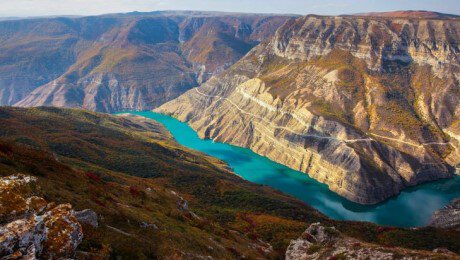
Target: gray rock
{"points": [[87, 216], [148, 225], [447, 217], [182, 205], [320, 242], [443, 250], [30, 235]]}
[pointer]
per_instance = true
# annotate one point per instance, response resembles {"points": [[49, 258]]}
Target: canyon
{"points": [[135, 192], [367, 105]]}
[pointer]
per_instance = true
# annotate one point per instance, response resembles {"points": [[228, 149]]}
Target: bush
{"points": [[313, 249], [93, 176]]}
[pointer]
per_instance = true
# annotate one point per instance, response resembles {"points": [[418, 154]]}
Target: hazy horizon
{"points": [[33, 8]]}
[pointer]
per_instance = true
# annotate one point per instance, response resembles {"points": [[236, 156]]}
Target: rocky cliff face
{"points": [[212, 44], [320, 242], [366, 105], [119, 62], [31, 228], [447, 217]]}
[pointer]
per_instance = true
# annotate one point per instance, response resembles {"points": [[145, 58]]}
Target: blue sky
{"points": [[332, 7]]}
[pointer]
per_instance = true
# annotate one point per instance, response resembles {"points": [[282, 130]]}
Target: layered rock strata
{"points": [[367, 106]]}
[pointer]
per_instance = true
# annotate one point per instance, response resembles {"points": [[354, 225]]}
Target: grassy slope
{"points": [[97, 161]]}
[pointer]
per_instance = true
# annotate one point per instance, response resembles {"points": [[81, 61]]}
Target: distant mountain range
{"points": [[121, 61], [410, 14]]}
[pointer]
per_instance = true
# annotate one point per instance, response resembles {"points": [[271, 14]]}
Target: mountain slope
{"points": [[190, 205], [124, 61], [368, 106]]}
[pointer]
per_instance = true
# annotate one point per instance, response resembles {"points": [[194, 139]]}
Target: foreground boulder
{"points": [[87, 216], [30, 227], [447, 217], [320, 242]]}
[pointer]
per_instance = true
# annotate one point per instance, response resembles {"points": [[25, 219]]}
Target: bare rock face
{"points": [[376, 41], [320, 242], [87, 216], [447, 217], [30, 228], [368, 106]]}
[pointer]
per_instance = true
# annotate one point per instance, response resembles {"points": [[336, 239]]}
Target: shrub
{"points": [[134, 191], [341, 256], [93, 176], [313, 249]]}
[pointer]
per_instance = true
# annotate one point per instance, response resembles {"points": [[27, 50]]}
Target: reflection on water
{"points": [[413, 207]]}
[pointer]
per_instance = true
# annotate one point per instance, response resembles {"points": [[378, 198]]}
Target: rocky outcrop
{"points": [[121, 62], [447, 217], [367, 106], [31, 228], [87, 216], [377, 42], [320, 242]]}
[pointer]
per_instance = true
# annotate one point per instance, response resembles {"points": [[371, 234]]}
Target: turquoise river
{"points": [[412, 207]]}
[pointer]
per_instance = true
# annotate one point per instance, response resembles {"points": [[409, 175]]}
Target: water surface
{"points": [[413, 207]]}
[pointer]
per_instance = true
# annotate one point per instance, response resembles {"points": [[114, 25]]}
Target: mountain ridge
{"points": [[118, 62]]}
